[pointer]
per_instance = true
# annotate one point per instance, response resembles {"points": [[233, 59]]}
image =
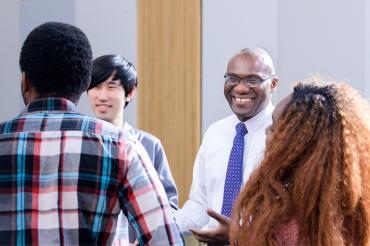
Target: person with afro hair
{"points": [[57, 60], [64, 176]]}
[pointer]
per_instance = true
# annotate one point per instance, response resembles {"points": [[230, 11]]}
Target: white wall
{"points": [[325, 37], [9, 55], [367, 50], [229, 26], [36, 12]]}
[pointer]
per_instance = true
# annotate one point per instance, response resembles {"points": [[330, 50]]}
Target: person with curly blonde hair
{"points": [[313, 187]]}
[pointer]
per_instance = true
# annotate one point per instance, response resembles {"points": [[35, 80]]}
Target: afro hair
{"points": [[57, 60]]}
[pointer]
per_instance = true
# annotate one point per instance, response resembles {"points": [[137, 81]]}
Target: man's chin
{"points": [[102, 117], [242, 111], [243, 115]]}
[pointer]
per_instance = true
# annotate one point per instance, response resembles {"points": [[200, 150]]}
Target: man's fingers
{"points": [[201, 239], [202, 233], [219, 217], [198, 235], [202, 236]]}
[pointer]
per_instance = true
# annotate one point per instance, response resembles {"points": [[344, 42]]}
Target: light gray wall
{"points": [[9, 54], [229, 26], [322, 37], [367, 50], [36, 12]]}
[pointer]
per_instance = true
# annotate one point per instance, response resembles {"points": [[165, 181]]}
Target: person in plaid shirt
{"points": [[64, 176]]}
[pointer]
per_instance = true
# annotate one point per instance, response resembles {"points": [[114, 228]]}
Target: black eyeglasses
{"points": [[250, 81]]}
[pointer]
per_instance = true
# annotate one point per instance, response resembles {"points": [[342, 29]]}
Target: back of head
{"points": [[57, 60], [315, 170], [123, 70]]}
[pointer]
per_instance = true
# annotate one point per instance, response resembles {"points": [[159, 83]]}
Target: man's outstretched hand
{"points": [[214, 236]]}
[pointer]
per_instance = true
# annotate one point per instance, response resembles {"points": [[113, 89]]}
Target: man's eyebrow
{"points": [[113, 82], [250, 75]]}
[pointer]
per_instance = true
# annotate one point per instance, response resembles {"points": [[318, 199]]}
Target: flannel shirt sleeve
{"points": [[145, 203]]}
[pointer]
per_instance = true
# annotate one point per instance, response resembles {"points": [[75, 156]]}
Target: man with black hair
{"points": [[65, 176], [113, 86]]}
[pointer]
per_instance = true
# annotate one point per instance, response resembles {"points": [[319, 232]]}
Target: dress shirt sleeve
{"points": [[144, 202], [194, 212], [164, 173]]}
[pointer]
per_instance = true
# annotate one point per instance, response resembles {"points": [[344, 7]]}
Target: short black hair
{"points": [[57, 60], [123, 70]]}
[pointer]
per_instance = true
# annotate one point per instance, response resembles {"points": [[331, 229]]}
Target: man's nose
{"points": [[102, 96], [241, 87]]}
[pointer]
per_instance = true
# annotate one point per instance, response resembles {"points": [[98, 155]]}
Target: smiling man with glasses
{"points": [[231, 147], [255, 68]]}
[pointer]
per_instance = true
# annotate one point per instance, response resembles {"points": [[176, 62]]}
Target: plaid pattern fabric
{"points": [[64, 177]]}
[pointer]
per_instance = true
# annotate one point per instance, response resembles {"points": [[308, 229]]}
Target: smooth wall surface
{"points": [[367, 50], [10, 82], [322, 37], [229, 26]]}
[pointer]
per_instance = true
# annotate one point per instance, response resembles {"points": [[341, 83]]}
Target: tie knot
{"points": [[241, 129]]}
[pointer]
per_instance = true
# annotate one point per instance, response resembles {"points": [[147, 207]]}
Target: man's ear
{"points": [[131, 95], [25, 88], [28, 91], [274, 83], [25, 83]]}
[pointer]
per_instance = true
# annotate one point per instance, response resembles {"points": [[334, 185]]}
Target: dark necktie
{"points": [[234, 173]]}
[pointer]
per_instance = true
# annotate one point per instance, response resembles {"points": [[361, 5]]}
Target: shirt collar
{"points": [[259, 120], [126, 126], [51, 104]]}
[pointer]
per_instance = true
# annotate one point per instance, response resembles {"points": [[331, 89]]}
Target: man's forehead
{"points": [[243, 64], [254, 59]]}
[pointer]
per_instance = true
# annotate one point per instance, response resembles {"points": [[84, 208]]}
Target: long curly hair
{"points": [[315, 170]]}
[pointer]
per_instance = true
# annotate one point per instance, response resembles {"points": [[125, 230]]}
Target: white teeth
{"points": [[242, 99]]}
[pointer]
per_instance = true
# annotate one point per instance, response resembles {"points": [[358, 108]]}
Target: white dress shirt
{"points": [[211, 163]]}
